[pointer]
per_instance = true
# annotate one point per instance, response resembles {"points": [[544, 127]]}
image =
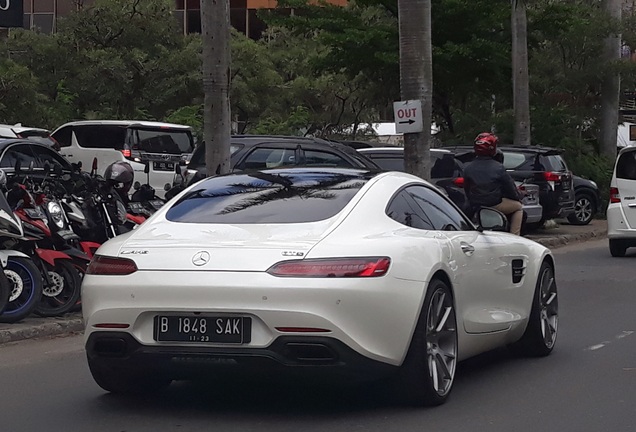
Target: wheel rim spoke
{"points": [[549, 308], [441, 338]]}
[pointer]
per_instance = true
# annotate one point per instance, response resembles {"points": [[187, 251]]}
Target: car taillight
{"points": [[105, 265], [552, 176], [459, 182], [127, 153], [615, 197], [332, 267]]}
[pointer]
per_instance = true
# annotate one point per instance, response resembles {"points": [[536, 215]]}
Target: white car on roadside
{"points": [[327, 272], [621, 210]]}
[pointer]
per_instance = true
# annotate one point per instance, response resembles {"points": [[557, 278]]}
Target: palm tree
{"points": [[215, 31], [610, 86], [520, 78], [416, 79]]}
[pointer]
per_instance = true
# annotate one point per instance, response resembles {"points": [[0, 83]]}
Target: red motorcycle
{"points": [[49, 243]]}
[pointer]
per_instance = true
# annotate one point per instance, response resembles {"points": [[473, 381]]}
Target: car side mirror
{"points": [[492, 220]]}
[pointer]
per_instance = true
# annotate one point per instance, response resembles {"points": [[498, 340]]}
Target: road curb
{"points": [[565, 239], [56, 328]]}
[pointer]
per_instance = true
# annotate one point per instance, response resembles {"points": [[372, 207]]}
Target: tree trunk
{"points": [[610, 86], [520, 78], [416, 79], [215, 31]]}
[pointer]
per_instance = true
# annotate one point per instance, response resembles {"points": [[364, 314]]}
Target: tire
{"points": [[617, 248], [427, 374], [62, 295], [26, 289], [541, 333], [5, 291], [584, 209], [126, 382]]}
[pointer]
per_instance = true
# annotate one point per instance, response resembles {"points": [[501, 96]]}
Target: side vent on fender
{"points": [[518, 270]]}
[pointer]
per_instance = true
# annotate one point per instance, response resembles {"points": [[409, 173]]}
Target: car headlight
{"points": [[56, 212], [121, 212]]}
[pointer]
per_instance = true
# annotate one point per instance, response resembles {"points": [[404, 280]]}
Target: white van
{"points": [[159, 145], [621, 211]]}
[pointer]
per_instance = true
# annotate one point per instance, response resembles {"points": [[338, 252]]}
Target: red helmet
{"points": [[486, 144]]}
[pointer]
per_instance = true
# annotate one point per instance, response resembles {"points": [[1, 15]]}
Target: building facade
{"points": [[42, 15]]}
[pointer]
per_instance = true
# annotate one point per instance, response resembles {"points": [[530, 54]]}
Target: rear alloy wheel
{"points": [[617, 248], [540, 336], [427, 374], [126, 382], [584, 210]]}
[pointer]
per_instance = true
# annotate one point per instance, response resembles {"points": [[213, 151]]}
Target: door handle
{"points": [[467, 249]]}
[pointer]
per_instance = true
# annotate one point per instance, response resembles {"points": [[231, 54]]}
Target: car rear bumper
{"points": [[617, 227], [534, 213], [305, 356]]}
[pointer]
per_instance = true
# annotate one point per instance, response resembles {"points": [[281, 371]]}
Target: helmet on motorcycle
{"points": [[121, 175], [486, 144]]}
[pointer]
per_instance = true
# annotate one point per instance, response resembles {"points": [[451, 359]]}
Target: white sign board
{"points": [[408, 116]]}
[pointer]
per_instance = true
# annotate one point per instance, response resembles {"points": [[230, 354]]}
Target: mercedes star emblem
{"points": [[200, 258]]}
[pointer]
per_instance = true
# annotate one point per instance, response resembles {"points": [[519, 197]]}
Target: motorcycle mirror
{"points": [[94, 168], [167, 187], [137, 185], [146, 168], [177, 169]]}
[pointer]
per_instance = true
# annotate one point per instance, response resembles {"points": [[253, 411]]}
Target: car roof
{"points": [[127, 123], [520, 148], [397, 150]]}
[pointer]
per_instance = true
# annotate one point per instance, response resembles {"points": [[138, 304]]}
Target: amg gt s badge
{"points": [[293, 253]]}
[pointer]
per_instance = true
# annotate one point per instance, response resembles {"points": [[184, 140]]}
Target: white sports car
{"points": [[314, 271]]}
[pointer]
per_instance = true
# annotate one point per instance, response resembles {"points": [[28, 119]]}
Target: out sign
{"points": [[408, 116]]}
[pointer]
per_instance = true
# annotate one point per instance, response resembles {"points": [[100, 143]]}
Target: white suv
{"points": [[158, 145], [621, 211]]}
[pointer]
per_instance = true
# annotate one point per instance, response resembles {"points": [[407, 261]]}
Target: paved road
{"points": [[588, 384]]}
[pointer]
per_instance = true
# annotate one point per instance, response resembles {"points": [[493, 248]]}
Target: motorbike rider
{"points": [[487, 184]]}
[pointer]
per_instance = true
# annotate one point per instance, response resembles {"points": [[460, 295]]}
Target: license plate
{"points": [[194, 328], [163, 166]]}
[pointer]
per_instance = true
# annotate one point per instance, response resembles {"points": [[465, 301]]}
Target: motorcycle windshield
{"points": [[9, 225]]}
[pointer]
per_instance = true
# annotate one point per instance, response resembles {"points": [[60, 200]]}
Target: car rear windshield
{"points": [[276, 196], [521, 161], [197, 160], [163, 140], [626, 166]]}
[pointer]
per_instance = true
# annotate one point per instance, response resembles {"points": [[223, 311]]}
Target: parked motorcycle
{"points": [[20, 274], [47, 241]]}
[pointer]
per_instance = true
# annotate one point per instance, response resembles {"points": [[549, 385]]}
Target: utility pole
{"points": [[215, 33], [520, 76], [416, 80], [610, 86]]}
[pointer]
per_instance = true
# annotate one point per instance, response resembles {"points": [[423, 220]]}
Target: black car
{"points": [[258, 152], [543, 166], [28, 152], [446, 171], [587, 201]]}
